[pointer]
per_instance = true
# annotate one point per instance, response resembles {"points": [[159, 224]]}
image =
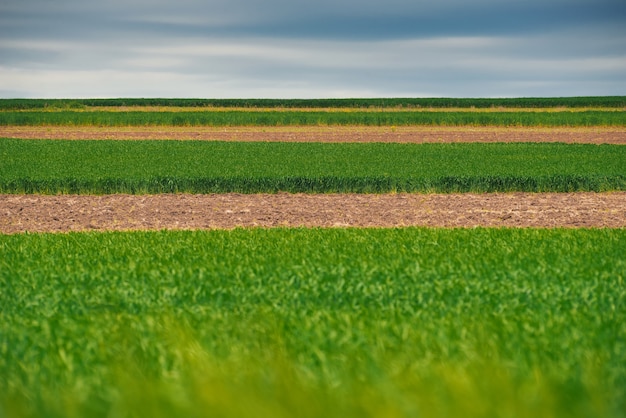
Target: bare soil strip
{"points": [[40, 213], [407, 134]]}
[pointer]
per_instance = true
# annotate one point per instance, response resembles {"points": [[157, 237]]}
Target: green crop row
{"points": [[102, 167], [315, 323], [525, 102], [287, 118]]}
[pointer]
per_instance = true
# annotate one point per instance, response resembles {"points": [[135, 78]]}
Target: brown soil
{"points": [[39, 213], [413, 134]]}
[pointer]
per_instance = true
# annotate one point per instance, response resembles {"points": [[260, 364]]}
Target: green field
{"points": [[303, 118], [522, 102], [406, 322], [317, 323], [102, 167]]}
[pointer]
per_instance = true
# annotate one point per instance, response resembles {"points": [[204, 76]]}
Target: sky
{"points": [[312, 49]]}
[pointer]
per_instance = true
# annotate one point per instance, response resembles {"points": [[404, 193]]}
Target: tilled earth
{"points": [[40, 213], [412, 134]]}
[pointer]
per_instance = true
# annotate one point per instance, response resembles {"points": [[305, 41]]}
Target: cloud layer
{"points": [[282, 48]]}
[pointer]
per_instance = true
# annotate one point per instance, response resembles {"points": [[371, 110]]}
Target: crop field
{"points": [[314, 322], [589, 111], [413, 103], [316, 118], [402, 321], [222, 167]]}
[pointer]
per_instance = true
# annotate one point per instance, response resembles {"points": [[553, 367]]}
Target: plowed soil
{"points": [[413, 134], [37, 213]]}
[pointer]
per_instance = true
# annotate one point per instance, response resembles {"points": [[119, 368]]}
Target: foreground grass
{"points": [[303, 118], [315, 323], [38, 166]]}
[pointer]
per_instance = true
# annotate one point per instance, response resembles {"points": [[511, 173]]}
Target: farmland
{"points": [[123, 212], [222, 167], [197, 316], [373, 322], [607, 111], [304, 118], [335, 134], [412, 103]]}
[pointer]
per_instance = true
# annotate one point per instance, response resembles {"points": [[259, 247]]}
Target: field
{"points": [[413, 103], [223, 167], [334, 134], [123, 212], [272, 117], [343, 322], [195, 307]]}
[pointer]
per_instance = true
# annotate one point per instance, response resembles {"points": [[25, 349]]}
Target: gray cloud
{"points": [[347, 19], [281, 48]]}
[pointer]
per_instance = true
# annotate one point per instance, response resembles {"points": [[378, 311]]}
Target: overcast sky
{"points": [[308, 49]]}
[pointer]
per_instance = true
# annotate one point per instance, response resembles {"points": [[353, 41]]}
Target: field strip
{"points": [[493, 109], [406, 134], [40, 213]]}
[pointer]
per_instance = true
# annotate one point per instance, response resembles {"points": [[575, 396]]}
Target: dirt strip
{"points": [[40, 213], [409, 134]]}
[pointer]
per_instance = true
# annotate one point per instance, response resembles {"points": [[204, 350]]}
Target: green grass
{"points": [[540, 102], [315, 323], [286, 118], [102, 167]]}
